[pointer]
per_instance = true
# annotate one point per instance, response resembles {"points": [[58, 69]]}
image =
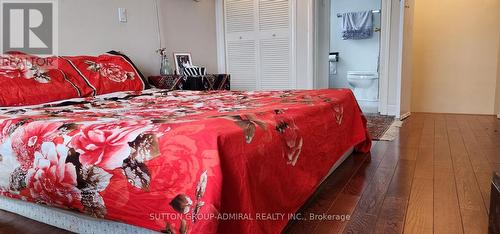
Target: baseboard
{"points": [[392, 110], [404, 116]]}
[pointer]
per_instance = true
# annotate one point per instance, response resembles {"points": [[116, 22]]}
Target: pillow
{"points": [[143, 78], [195, 71], [30, 80], [108, 73]]}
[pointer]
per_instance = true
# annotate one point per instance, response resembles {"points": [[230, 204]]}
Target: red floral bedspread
{"points": [[180, 162]]}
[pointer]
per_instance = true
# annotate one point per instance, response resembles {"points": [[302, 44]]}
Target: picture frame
{"points": [[182, 60]]}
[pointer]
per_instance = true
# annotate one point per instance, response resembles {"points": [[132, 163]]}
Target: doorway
{"points": [[355, 36], [386, 54]]}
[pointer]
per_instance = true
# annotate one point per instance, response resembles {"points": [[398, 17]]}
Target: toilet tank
{"points": [[362, 75]]}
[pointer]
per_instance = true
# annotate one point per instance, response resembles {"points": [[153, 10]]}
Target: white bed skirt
{"points": [[67, 220], [79, 223]]}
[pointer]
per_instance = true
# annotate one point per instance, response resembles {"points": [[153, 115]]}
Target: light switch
{"points": [[122, 15]]}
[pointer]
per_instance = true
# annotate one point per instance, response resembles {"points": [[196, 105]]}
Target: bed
{"points": [[175, 161]]}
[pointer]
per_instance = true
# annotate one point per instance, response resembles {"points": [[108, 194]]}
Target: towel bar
{"points": [[374, 11]]}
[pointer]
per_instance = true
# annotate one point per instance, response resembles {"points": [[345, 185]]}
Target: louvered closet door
{"points": [[241, 43], [275, 45], [242, 65], [259, 44]]}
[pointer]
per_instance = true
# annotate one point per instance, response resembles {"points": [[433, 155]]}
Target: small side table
{"points": [[494, 226], [199, 83]]}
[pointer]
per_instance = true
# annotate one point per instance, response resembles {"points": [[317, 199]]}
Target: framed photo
{"points": [[182, 60]]}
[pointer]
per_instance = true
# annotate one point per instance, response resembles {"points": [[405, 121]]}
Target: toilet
{"points": [[364, 85]]}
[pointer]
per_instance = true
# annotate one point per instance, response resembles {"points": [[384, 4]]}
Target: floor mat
{"points": [[378, 125]]}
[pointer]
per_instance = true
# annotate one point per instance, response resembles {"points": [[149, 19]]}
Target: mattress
{"points": [[181, 162]]}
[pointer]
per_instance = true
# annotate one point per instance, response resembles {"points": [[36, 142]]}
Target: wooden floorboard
{"points": [[15, 224], [420, 213], [352, 191], [447, 216], [370, 204], [473, 212], [322, 201], [433, 178]]}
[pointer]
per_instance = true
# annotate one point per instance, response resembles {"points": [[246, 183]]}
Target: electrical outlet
{"points": [[122, 15]]}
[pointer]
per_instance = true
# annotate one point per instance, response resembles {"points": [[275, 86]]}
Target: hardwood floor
{"points": [[434, 178], [15, 224]]}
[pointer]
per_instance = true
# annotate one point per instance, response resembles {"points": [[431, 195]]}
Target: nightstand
{"points": [[198, 83]]}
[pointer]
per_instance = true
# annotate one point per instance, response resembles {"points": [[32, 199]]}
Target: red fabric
{"points": [[30, 80], [106, 74], [22, 82], [204, 162]]}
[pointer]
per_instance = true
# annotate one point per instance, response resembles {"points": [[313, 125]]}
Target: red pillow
{"points": [[30, 80], [106, 73]]}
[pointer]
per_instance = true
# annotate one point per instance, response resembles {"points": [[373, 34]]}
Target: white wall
{"points": [[355, 55], [456, 56], [189, 26], [91, 27]]}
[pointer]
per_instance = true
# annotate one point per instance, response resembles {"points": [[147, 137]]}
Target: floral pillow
{"points": [[107, 73], [30, 80]]}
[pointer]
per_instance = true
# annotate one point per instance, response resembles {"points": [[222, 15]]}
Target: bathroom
{"points": [[355, 56]]}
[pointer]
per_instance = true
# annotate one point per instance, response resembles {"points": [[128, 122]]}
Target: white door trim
{"points": [[293, 42], [310, 43], [322, 11], [400, 57], [221, 40], [385, 45]]}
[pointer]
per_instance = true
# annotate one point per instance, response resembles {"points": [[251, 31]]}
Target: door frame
{"points": [[384, 66], [221, 36], [404, 78], [322, 40], [399, 77], [390, 84]]}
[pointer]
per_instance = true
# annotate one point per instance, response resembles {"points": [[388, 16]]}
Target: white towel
{"points": [[357, 25]]}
